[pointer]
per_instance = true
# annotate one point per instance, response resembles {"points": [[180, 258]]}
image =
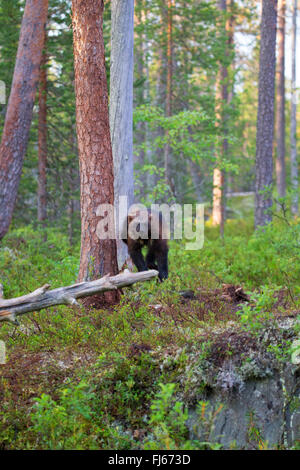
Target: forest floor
{"points": [[117, 378]]}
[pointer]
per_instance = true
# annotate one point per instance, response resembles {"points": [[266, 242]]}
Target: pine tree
{"points": [[98, 256], [294, 163], [280, 103], [42, 131], [19, 111], [265, 114]]}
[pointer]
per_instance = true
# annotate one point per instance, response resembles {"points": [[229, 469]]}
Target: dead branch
{"points": [[43, 298]]}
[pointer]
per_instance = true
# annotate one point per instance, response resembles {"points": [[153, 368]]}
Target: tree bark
{"points": [[98, 256], [161, 82], [167, 148], [265, 114], [121, 108], [139, 100], [20, 106], [294, 163], [280, 103], [42, 133]]}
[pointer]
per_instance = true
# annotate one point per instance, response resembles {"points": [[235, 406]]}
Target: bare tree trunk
{"points": [[42, 132], [160, 88], [294, 163], [265, 114], [98, 256], [121, 108], [139, 60], [19, 111], [222, 96], [280, 100], [167, 148]]}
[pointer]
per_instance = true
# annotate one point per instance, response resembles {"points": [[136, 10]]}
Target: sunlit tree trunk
{"points": [[42, 132], [139, 61], [167, 149], [121, 107], [280, 103], [222, 97], [265, 114], [294, 164], [161, 83], [98, 257], [20, 106]]}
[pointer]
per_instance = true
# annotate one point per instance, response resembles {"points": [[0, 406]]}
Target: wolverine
{"points": [[146, 227]]}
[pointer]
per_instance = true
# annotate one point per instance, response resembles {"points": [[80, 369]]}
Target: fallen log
{"points": [[41, 298]]}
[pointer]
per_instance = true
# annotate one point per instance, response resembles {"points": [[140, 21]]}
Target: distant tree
{"points": [[222, 98], [98, 256], [169, 87], [294, 163], [42, 136], [121, 106], [19, 111], [265, 114], [280, 102]]}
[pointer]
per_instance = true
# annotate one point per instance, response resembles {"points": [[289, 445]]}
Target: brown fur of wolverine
{"points": [[156, 241]]}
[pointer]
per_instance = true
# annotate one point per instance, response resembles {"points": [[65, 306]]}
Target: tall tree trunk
{"points": [[20, 106], [42, 132], [294, 163], [73, 209], [280, 101], [121, 107], [98, 256], [139, 60], [167, 148], [265, 114], [222, 96]]}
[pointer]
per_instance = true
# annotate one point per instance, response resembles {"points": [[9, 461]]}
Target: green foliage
{"points": [[52, 257], [119, 357], [10, 18], [98, 372], [67, 424], [169, 418], [190, 133], [126, 385], [159, 192], [253, 317]]}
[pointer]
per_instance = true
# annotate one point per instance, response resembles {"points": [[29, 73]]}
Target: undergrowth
{"points": [[118, 378]]}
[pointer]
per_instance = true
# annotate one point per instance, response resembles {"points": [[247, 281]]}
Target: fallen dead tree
{"points": [[41, 298]]}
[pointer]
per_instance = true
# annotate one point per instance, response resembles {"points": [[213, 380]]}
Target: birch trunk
{"points": [[98, 256], [121, 109]]}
